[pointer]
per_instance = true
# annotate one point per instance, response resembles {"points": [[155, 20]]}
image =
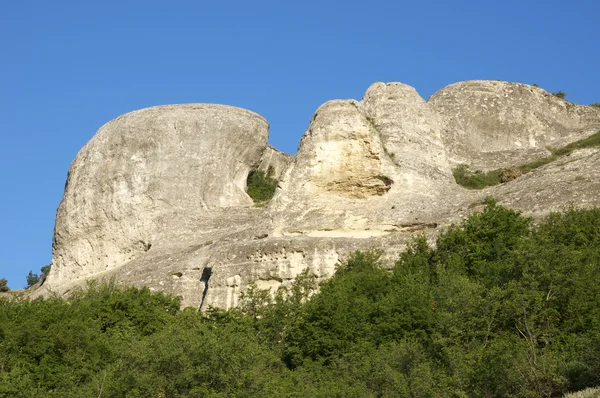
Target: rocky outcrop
{"points": [[409, 128], [572, 180], [360, 169], [152, 175], [274, 162], [490, 124], [157, 197]]}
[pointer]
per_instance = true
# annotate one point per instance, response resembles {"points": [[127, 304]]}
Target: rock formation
{"points": [[150, 175], [492, 124], [157, 197]]}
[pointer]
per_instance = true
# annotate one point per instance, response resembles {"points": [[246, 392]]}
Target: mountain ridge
{"points": [[157, 197]]}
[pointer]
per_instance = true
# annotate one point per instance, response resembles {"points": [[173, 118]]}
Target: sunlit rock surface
{"points": [[157, 197]]}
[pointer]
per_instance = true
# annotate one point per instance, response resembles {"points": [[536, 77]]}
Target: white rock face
{"points": [[409, 128], [366, 168], [490, 124], [340, 156], [148, 174], [157, 197], [275, 162]]}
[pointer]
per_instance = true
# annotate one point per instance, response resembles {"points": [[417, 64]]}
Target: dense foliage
{"points": [[261, 186], [499, 308], [477, 179]]}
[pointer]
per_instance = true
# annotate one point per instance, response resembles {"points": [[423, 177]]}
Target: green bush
{"points": [[260, 186], [32, 279], [595, 104], [559, 94], [476, 179], [46, 271], [500, 307], [4, 285]]}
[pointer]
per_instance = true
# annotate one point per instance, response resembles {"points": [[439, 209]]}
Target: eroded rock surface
{"points": [[491, 124], [572, 180], [360, 170], [149, 176], [157, 197]]}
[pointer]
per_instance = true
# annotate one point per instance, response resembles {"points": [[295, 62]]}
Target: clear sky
{"points": [[67, 67]]}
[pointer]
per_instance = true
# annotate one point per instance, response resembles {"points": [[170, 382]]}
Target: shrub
{"points": [[260, 186], [595, 104], [476, 179], [3, 285], [559, 94], [45, 272], [32, 279]]}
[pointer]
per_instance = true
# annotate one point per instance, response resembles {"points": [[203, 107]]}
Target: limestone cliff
{"points": [[157, 197], [490, 124]]}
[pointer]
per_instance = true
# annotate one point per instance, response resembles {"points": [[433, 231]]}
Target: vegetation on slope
{"points": [[32, 278], [501, 307], [482, 179], [261, 186], [560, 94]]}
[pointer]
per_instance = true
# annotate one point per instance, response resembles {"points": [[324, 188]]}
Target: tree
{"points": [[3, 285], [32, 279], [45, 272]]}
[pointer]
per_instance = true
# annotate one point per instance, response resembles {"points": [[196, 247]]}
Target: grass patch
{"points": [[478, 179], [589, 142], [527, 167], [261, 186]]}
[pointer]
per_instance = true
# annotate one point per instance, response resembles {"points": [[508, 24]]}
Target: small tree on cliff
{"points": [[45, 271], [32, 279], [559, 94], [3, 285]]}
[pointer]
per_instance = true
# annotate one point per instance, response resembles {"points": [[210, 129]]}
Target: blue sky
{"points": [[67, 67]]}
